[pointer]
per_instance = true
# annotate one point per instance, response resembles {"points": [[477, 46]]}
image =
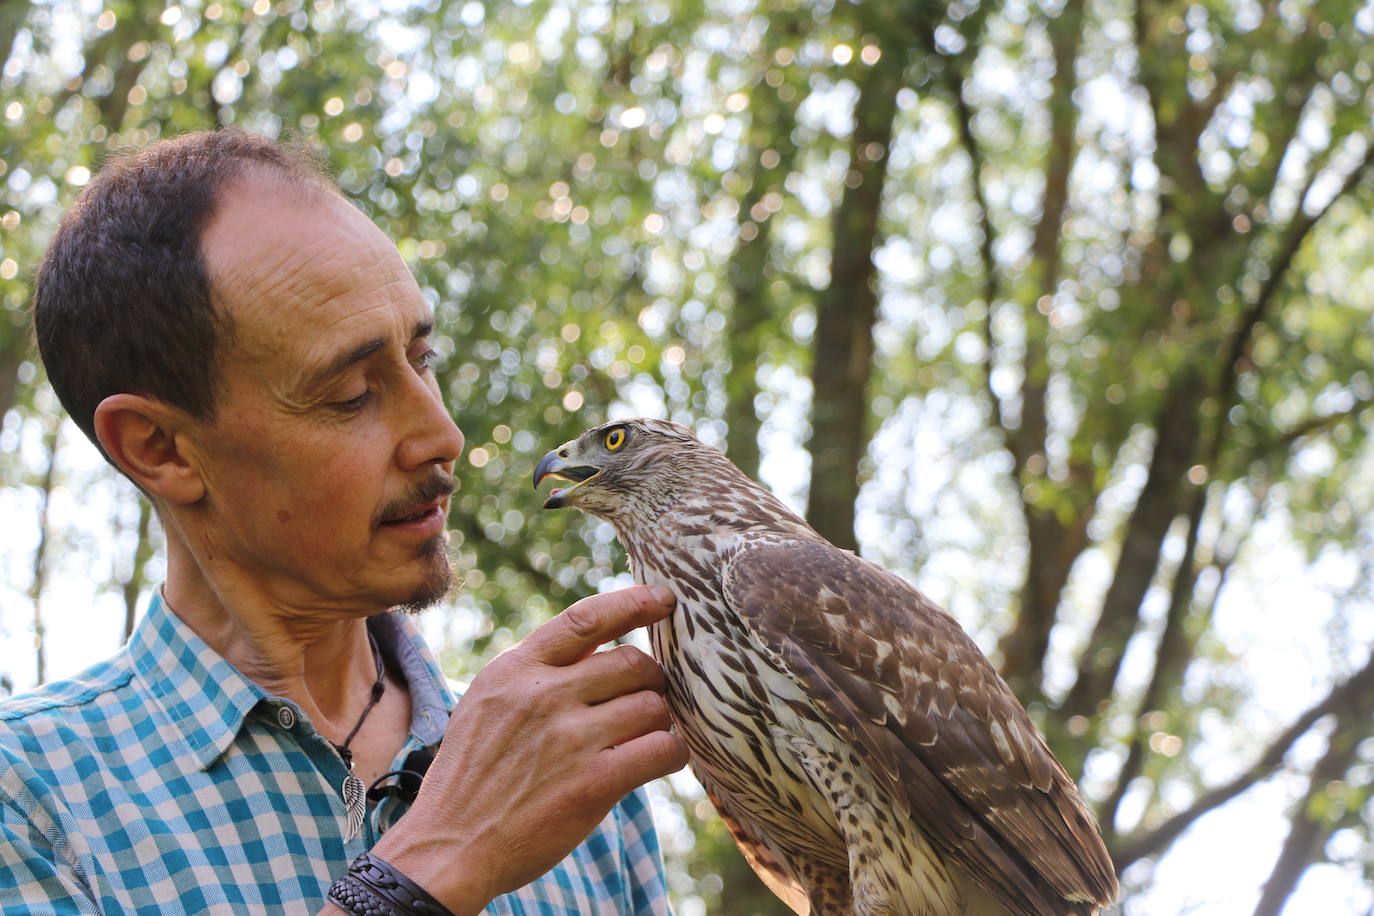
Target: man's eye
{"points": [[353, 405], [427, 359]]}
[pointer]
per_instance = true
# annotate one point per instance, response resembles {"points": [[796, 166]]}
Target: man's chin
{"points": [[438, 578]]}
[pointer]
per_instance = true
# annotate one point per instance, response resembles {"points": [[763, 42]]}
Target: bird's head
{"points": [[626, 467]]}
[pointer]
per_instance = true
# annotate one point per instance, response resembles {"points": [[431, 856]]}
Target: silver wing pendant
{"points": [[355, 804]]}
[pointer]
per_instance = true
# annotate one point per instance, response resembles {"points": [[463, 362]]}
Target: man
{"points": [[250, 350]]}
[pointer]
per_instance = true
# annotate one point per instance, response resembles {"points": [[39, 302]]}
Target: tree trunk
{"points": [[12, 16], [143, 551], [749, 316], [40, 554], [1172, 656], [12, 350], [1155, 510], [1051, 555], [842, 354], [1308, 828], [754, 318]]}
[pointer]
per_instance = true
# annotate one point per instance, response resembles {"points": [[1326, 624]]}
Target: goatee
{"points": [[439, 581]]}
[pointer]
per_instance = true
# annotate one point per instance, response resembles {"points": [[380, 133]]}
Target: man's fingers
{"points": [[647, 757], [626, 718], [604, 676], [596, 620]]}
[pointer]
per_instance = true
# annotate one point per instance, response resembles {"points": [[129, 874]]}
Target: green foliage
{"points": [[629, 208]]}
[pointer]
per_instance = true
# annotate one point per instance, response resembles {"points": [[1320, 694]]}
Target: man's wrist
{"points": [[374, 887], [435, 868]]}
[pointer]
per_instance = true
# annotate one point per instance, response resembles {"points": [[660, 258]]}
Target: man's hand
{"points": [[548, 738]]}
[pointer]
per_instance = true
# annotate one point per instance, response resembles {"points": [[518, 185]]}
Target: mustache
{"points": [[419, 495]]}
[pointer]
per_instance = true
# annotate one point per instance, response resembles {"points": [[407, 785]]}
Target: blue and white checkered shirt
{"points": [[164, 781]]}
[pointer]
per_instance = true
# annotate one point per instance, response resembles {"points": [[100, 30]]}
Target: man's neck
{"points": [[318, 658]]}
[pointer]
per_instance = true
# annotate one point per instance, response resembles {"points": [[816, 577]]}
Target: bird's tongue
{"points": [[555, 499]]}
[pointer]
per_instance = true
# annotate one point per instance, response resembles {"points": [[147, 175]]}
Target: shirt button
{"points": [[286, 717]]}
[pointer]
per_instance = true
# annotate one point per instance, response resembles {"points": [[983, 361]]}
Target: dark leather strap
{"points": [[372, 887]]}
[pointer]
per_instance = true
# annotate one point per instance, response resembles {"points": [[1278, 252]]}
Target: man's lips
{"points": [[434, 507], [422, 523], [422, 502]]}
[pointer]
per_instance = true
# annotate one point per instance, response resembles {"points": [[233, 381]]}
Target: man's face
{"points": [[329, 462]]}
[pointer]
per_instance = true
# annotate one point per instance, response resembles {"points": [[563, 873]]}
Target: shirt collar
{"points": [[206, 700], [431, 699], [204, 697]]}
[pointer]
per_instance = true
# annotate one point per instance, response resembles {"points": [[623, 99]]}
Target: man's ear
{"points": [[145, 438]]}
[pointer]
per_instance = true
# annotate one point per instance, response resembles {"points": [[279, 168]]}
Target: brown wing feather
{"points": [[903, 681]]}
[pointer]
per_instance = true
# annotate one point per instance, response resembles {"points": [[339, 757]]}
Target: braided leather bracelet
{"points": [[372, 887]]}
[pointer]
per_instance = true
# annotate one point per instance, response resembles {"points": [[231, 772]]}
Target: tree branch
{"points": [[1155, 841], [1171, 660], [1298, 230], [1278, 148], [51, 440], [111, 49], [1023, 648], [1175, 449], [1065, 36], [1176, 132], [1286, 439], [1174, 653], [963, 117], [12, 16], [143, 552], [1310, 827], [753, 318]]}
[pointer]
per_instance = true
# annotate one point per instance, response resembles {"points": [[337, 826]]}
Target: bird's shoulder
{"points": [[874, 623]]}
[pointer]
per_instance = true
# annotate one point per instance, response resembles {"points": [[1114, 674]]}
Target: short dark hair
{"points": [[123, 301]]}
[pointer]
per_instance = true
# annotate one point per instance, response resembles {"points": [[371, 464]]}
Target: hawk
{"points": [[865, 756]]}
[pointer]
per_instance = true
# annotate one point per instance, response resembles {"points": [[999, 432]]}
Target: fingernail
{"points": [[662, 594]]}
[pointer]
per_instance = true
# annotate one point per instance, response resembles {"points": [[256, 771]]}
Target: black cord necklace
{"points": [[354, 792]]}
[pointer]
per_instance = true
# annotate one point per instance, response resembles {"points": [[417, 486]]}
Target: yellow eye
{"points": [[615, 439]]}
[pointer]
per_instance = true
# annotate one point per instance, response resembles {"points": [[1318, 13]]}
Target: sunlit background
{"points": [[1061, 310]]}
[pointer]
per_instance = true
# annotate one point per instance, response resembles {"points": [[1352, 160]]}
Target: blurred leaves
{"points": [[1092, 215]]}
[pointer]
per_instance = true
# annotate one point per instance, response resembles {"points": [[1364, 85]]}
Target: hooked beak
{"points": [[552, 465]]}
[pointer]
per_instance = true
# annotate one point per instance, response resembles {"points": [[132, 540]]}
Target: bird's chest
{"points": [[735, 707], [720, 684]]}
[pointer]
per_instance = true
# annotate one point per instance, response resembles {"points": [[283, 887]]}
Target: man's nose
{"points": [[432, 436]]}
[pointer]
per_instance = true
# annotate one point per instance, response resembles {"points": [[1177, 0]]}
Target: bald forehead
{"points": [[250, 207], [280, 241]]}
